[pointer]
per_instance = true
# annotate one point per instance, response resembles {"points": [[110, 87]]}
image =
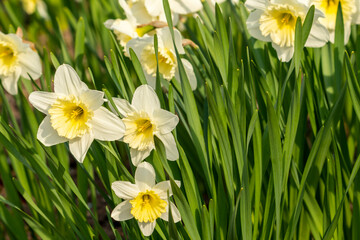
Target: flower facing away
{"points": [[168, 65], [17, 59], [350, 11], [275, 22], [74, 113], [146, 11], [144, 200], [126, 29], [143, 120]]}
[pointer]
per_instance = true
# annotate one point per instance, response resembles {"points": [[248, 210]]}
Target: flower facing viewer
{"points": [[17, 59], [275, 21], [350, 11], [144, 200], [74, 113], [143, 120], [168, 65]]}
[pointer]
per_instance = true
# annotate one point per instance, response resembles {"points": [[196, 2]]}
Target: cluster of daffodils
{"points": [[275, 21], [144, 18], [74, 114]]}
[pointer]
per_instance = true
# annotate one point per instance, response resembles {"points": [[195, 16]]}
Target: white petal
{"points": [[67, 81], [165, 35], [138, 44], [356, 15], [284, 53], [174, 212], [138, 156], [162, 187], [47, 135], [145, 99], [347, 32], [165, 121], [42, 9], [168, 140], [145, 176], [10, 82], [80, 146], [30, 64], [318, 37], [140, 13], [147, 228], [42, 101], [154, 7], [151, 81], [93, 99], [16, 40], [127, 10], [125, 190], [253, 26], [256, 4], [123, 106], [122, 211], [122, 26], [190, 73], [185, 6], [106, 126]]}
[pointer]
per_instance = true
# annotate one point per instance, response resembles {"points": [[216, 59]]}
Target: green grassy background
{"points": [[268, 150]]}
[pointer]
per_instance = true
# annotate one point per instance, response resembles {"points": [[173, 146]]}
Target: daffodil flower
{"points": [[143, 120], [350, 11], [17, 59], [275, 22], [144, 200], [30, 6], [126, 29], [176, 6], [145, 11], [74, 113], [168, 65]]}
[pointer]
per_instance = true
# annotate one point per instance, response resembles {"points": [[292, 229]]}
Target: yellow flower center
{"points": [[8, 58], [70, 117], [147, 206], [167, 62], [139, 132], [279, 22], [329, 8]]}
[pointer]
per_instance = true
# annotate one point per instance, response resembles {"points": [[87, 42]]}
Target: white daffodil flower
{"points": [[145, 11], [17, 59], [136, 11], [30, 6], [74, 113], [144, 200], [350, 11], [275, 21], [168, 65], [125, 30], [143, 120]]}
